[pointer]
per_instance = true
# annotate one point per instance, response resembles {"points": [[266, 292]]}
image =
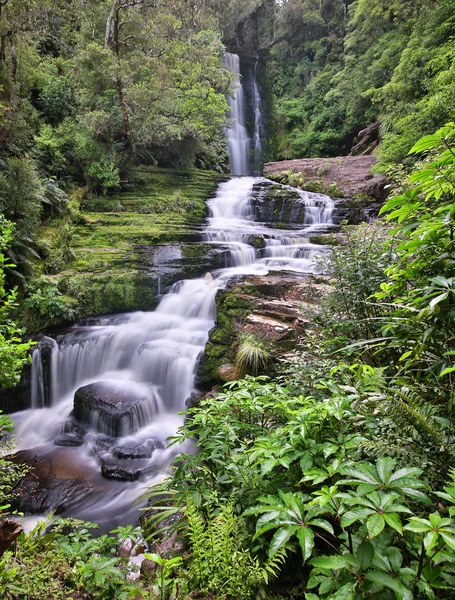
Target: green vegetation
{"points": [[92, 100], [13, 352], [252, 354], [339, 66], [345, 463]]}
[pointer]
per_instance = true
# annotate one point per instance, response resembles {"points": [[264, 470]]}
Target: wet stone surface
{"points": [[109, 407]]}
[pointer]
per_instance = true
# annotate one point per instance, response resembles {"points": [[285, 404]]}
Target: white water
{"points": [[258, 123], [153, 355], [239, 142]]}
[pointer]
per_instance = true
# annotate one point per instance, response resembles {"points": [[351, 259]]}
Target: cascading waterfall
{"points": [[239, 142], [117, 384], [258, 124]]}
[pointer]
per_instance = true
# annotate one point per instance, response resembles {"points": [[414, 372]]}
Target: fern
{"points": [[219, 563]]}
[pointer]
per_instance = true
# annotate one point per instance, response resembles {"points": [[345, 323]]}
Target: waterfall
{"points": [[239, 142], [243, 149], [111, 389], [258, 125]]}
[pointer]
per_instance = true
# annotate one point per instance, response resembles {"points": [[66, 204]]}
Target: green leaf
{"points": [[448, 537], [330, 562], [306, 539], [385, 580], [355, 514], [365, 554], [345, 593], [375, 524], [394, 521], [280, 538]]}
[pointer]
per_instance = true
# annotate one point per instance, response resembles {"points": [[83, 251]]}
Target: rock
{"points": [[142, 450], [10, 530], [111, 407], [71, 435], [53, 480], [257, 241], [122, 472], [351, 174], [269, 329], [68, 439], [228, 372], [148, 568]]}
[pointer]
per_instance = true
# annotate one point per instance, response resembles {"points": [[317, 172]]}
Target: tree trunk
{"points": [[112, 41]]}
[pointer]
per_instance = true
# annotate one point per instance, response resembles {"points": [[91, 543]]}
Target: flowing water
{"points": [[238, 140], [150, 359]]}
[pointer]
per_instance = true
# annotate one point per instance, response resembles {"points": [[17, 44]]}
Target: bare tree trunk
{"points": [[112, 41]]}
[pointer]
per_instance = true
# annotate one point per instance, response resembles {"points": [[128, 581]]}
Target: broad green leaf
{"points": [[448, 537], [329, 562], [365, 554], [306, 539], [323, 524], [281, 537], [395, 558], [385, 468], [355, 514], [345, 593], [375, 524], [400, 588], [394, 521]]}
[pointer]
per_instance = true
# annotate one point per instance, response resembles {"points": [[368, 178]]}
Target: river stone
{"points": [[141, 450], [68, 439], [122, 472], [70, 435], [110, 406], [228, 372]]}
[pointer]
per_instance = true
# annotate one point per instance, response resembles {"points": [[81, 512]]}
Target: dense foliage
{"points": [[345, 463], [87, 90], [339, 66]]}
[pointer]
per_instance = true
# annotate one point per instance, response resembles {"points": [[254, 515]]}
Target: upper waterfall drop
{"points": [[239, 142]]}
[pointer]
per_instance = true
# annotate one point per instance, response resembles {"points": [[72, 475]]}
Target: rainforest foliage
{"points": [[339, 66], [334, 480]]}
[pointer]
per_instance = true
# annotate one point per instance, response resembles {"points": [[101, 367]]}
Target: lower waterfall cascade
{"points": [[145, 362]]}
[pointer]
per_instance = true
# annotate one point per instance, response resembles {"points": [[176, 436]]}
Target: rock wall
{"points": [[273, 308], [350, 174]]}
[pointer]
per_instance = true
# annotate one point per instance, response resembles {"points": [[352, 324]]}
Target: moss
{"points": [[232, 309], [300, 180], [325, 240], [111, 292], [110, 272]]}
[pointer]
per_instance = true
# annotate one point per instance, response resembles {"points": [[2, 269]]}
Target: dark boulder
{"points": [[138, 450], [112, 407]]}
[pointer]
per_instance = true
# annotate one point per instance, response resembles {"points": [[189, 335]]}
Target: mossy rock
{"points": [[232, 310]]}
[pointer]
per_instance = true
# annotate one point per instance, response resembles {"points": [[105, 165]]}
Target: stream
{"points": [[117, 386]]}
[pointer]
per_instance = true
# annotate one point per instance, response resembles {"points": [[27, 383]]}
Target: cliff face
{"points": [[351, 175]]}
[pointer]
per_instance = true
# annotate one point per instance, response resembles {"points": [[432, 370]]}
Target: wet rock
{"points": [[111, 407], [103, 442], [257, 241], [269, 329], [228, 372], [122, 472], [68, 439], [142, 450], [71, 435], [53, 481]]}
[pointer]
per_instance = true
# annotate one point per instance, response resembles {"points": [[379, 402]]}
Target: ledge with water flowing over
{"points": [[116, 385]]}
